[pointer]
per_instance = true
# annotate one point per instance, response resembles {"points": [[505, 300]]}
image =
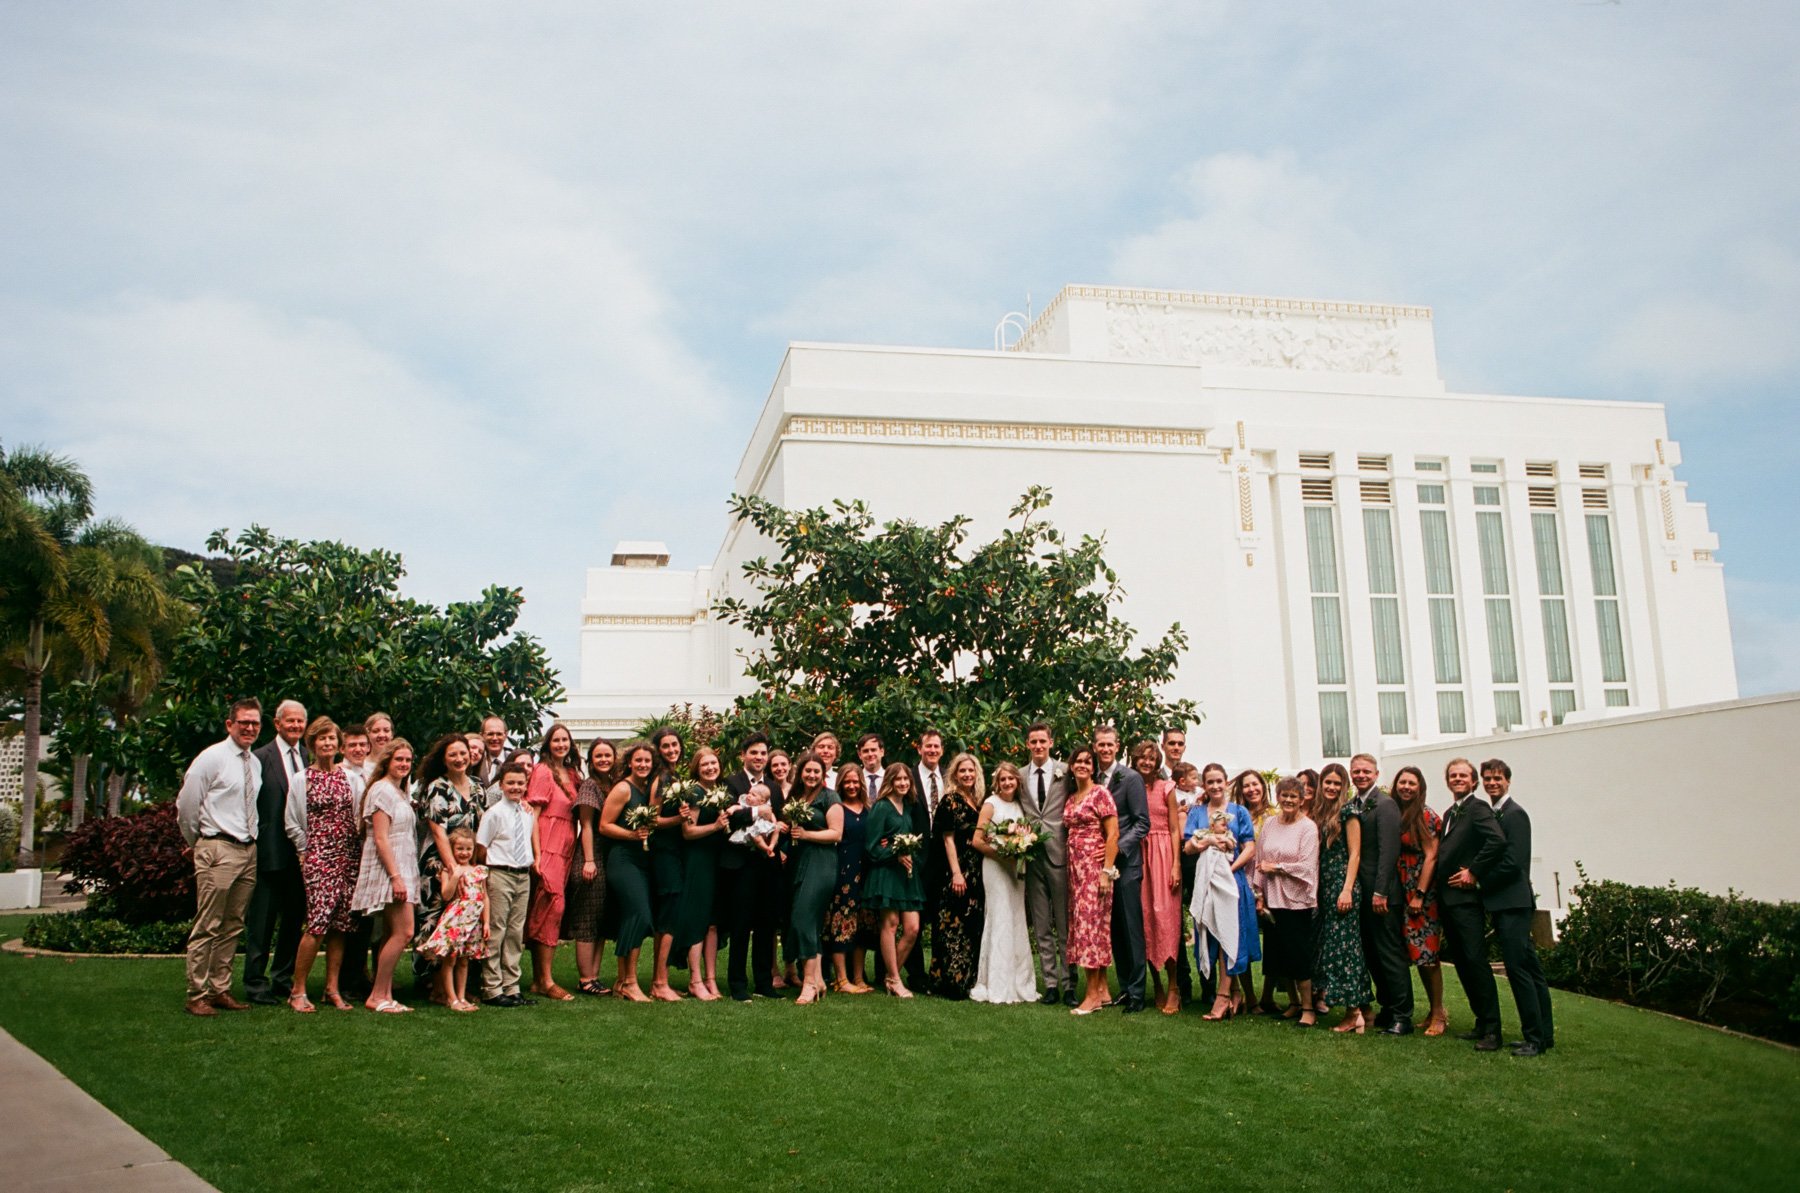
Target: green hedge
{"points": [[98, 929], [1719, 959]]}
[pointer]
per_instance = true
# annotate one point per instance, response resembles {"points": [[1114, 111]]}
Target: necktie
{"points": [[249, 796], [934, 794], [872, 780], [1040, 788], [293, 761]]}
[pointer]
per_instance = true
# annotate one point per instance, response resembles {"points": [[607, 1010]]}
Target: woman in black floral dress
{"points": [[843, 921], [956, 951]]}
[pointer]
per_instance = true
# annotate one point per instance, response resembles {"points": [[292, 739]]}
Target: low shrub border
{"points": [[1719, 959], [97, 929]]}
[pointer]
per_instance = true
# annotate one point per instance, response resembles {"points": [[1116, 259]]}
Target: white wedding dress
{"points": [[1006, 971]]}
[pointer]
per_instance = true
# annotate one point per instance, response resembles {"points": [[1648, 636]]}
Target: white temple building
{"points": [[1361, 558]]}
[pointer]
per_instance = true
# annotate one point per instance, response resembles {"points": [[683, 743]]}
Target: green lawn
{"points": [[869, 1093]]}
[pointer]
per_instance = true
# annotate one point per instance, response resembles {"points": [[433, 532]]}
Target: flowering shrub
{"points": [[138, 863]]}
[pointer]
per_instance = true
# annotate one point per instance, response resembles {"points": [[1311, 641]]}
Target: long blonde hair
{"points": [[979, 791]]}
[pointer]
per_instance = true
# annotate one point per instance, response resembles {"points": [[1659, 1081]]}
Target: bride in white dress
{"points": [[1006, 971]]}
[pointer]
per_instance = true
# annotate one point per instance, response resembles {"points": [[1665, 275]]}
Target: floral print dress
{"points": [[956, 947], [333, 852], [1424, 931], [1090, 908], [1340, 974], [445, 806], [459, 932]]}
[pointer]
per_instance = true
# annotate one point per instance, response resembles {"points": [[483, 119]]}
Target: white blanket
{"points": [[1215, 902]]}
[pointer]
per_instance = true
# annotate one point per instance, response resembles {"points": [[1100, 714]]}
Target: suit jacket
{"points": [[1048, 814], [274, 851], [1380, 869], [922, 788], [1472, 840], [1509, 888], [1127, 787], [487, 772], [739, 782]]}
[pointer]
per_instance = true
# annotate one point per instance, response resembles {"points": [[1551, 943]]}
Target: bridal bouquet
{"points": [[1015, 841], [642, 816], [797, 813], [677, 794], [716, 798], [907, 844]]}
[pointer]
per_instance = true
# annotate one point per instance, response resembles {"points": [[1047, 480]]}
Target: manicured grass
{"points": [[869, 1093]]}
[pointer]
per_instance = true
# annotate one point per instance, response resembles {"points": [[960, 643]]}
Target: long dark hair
{"points": [[431, 768], [1325, 810], [571, 764], [1412, 812], [661, 770], [602, 780], [912, 782]]}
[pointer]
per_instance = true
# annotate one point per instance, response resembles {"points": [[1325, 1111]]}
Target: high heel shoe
{"points": [[898, 989], [1437, 1025], [1353, 1023], [1222, 1008]]}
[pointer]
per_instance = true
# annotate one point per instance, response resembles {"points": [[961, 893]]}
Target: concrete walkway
{"points": [[58, 1138]]}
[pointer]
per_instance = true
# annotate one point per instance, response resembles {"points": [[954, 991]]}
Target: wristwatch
{"points": [[1111, 872]]}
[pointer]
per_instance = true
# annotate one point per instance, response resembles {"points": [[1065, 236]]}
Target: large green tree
{"points": [[325, 624], [895, 628]]}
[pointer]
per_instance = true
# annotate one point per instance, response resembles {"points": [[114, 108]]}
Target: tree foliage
{"points": [[897, 628], [325, 624]]}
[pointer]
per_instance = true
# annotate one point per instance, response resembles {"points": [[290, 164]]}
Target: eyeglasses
{"points": [[252, 723]]}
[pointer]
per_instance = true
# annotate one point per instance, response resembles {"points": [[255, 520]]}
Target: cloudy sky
{"points": [[497, 285]]}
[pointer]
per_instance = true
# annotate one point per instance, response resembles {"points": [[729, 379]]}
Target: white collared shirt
{"points": [[213, 799], [1033, 770], [505, 833], [926, 776], [291, 760]]}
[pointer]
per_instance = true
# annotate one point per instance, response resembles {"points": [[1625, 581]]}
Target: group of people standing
{"points": [[1054, 868]]}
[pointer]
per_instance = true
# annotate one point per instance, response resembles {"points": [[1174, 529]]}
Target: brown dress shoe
{"points": [[200, 1007], [227, 1003]]}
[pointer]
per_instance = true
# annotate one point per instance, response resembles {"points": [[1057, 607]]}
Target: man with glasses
{"points": [[217, 814]]}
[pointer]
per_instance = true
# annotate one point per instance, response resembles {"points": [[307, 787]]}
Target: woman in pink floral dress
{"points": [[321, 821], [1092, 821], [551, 796]]}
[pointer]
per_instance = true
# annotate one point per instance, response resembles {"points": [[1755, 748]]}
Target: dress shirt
{"points": [[1039, 780], [505, 833], [218, 796], [292, 758]]}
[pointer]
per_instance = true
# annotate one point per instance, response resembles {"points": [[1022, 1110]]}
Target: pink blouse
{"points": [[1294, 850]]}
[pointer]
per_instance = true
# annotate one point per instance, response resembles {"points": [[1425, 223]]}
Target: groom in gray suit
{"points": [[1046, 879]]}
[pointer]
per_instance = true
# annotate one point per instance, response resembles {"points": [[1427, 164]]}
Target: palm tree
{"points": [[45, 499], [108, 618]]}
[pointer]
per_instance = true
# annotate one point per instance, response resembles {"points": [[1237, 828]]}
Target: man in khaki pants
{"points": [[216, 811]]}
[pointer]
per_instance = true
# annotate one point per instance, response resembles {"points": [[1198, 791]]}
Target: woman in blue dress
{"points": [[1219, 824]]}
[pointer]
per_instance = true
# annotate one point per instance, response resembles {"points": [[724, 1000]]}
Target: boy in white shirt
{"points": [[507, 833]]}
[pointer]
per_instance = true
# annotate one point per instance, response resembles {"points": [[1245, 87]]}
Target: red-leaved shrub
{"points": [[138, 864]]}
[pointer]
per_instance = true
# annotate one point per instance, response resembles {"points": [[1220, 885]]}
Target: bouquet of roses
{"points": [[1014, 841], [677, 794], [716, 798], [907, 844], [642, 816]]}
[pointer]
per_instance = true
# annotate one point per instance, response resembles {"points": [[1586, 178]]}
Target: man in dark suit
{"points": [[929, 792], [1510, 904], [278, 906], [1471, 852], [746, 912], [1383, 899], [1127, 788], [485, 769]]}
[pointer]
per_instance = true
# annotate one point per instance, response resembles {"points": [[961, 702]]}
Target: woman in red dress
{"points": [[1419, 830], [1161, 890], [551, 796], [1092, 821]]}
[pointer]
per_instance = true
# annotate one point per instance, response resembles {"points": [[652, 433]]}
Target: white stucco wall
{"points": [[1697, 796]]}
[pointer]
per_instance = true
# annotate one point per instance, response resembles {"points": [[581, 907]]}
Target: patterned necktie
{"points": [[934, 794], [249, 797]]}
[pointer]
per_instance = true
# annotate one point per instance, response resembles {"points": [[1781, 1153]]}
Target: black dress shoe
{"points": [[1488, 1044], [1131, 1008], [1383, 1021], [501, 1000], [1070, 998], [1471, 1036], [1528, 1049], [1051, 997], [1399, 1027], [767, 992], [739, 996], [520, 1000], [265, 998]]}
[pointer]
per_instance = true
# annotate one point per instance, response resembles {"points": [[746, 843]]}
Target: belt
{"points": [[226, 837], [510, 869]]}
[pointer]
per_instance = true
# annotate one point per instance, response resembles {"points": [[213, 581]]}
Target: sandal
{"points": [[300, 1003], [1222, 1008], [594, 987], [1437, 1025], [390, 1007], [896, 988], [1353, 1022], [463, 1005], [556, 993], [337, 1000]]}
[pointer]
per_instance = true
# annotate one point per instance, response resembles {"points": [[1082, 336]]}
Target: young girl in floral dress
{"points": [[462, 932]]}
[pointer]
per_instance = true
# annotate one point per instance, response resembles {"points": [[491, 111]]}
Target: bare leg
{"points": [[709, 956], [334, 965], [1439, 1019], [659, 975], [587, 961], [399, 919], [1303, 998], [303, 963], [626, 984]]}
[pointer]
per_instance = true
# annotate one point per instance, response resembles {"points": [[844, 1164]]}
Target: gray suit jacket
{"points": [[1048, 813], [1127, 787]]}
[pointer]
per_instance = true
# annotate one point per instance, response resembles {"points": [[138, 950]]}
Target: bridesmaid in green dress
{"points": [[1340, 975], [813, 864], [891, 884], [628, 866]]}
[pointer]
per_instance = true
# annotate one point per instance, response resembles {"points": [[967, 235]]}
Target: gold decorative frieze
{"points": [[938, 431], [643, 621]]}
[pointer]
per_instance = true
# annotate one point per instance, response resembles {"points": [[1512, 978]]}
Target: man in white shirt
{"points": [[1046, 876], [870, 752], [216, 811], [272, 925]]}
